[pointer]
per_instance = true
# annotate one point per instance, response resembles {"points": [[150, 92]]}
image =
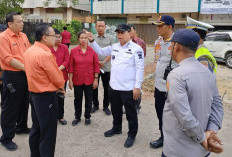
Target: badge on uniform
{"points": [[140, 55]]}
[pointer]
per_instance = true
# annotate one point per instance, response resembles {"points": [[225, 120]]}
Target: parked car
{"points": [[220, 45]]}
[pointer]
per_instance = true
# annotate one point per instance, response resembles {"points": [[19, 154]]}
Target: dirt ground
{"points": [[89, 141]]}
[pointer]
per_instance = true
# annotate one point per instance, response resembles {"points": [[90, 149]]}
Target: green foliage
{"points": [[74, 27], [7, 6]]}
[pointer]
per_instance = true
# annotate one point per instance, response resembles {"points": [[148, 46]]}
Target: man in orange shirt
{"points": [[13, 44], [44, 81]]}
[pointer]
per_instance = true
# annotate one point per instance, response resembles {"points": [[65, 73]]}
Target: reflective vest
{"points": [[204, 53]]}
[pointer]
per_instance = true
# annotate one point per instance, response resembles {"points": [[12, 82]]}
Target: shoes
{"points": [[157, 144], [63, 121], [87, 121], [94, 109], [11, 146], [22, 130], [129, 142], [76, 121], [107, 111], [112, 132]]}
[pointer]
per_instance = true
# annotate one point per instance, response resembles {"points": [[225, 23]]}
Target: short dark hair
{"points": [[100, 20], [79, 33], [65, 28], [201, 33], [10, 17], [56, 31], [131, 25], [40, 30]]}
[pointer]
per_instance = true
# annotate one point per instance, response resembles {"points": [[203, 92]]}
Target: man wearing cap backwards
{"points": [[202, 54], [165, 25], [193, 109], [127, 68]]}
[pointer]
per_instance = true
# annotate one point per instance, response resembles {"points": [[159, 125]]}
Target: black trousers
{"points": [[42, 138], [105, 82], [67, 44], [117, 100], [15, 103], [162, 155], [78, 95], [160, 98], [60, 113]]}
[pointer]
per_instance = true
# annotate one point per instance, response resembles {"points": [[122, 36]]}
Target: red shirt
{"points": [[62, 58], [66, 36], [141, 43], [83, 65]]}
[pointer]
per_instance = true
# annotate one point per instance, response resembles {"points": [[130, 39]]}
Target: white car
{"points": [[220, 45]]}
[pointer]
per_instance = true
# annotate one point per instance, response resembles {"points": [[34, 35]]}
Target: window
{"points": [[210, 37], [223, 37]]}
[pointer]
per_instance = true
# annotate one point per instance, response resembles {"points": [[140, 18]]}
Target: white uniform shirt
{"points": [[127, 64]]}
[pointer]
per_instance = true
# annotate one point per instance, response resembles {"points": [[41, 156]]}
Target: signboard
{"points": [[216, 6]]}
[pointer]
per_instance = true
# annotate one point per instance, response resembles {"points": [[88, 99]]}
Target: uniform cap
{"points": [[191, 23], [186, 37], [165, 20], [123, 27]]}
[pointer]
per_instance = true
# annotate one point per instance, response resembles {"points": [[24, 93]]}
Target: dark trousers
{"points": [[78, 95], [162, 155], [117, 100], [105, 82], [160, 98], [67, 44], [42, 138], [15, 100], [60, 113]]}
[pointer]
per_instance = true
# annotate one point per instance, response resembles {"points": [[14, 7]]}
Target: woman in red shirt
{"points": [[83, 75], [66, 36], [61, 53]]}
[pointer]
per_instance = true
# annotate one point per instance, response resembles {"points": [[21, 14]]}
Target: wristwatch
{"points": [[91, 41]]}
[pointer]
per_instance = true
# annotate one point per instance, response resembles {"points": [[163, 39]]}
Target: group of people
{"points": [[187, 102]]}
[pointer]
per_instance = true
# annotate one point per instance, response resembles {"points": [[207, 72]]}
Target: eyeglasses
{"points": [[50, 35]]}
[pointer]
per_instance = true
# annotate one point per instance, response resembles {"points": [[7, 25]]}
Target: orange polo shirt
{"points": [[12, 46], [41, 69]]}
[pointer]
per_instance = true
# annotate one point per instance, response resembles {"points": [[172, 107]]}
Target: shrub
{"points": [[74, 27]]}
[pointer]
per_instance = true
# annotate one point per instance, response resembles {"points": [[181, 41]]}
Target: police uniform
{"points": [[127, 69], [162, 57], [193, 104], [202, 54]]}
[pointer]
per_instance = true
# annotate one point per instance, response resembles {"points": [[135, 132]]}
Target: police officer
{"points": [[203, 55], [13, 44], [165, 25], [193, 109], [127, 68]]}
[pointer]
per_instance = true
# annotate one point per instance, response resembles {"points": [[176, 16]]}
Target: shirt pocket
{"points": [[14, 48], [127, 59]]}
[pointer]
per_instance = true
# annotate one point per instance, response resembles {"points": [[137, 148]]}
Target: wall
{"points": [[177, 6], [107, 7], [140, 6]]}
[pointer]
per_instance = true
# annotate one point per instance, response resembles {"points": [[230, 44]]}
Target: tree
{"points": [[7, 6]]}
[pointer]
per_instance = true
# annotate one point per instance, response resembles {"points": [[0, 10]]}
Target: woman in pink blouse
{"points": [[61, 53], [83, 76]]}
